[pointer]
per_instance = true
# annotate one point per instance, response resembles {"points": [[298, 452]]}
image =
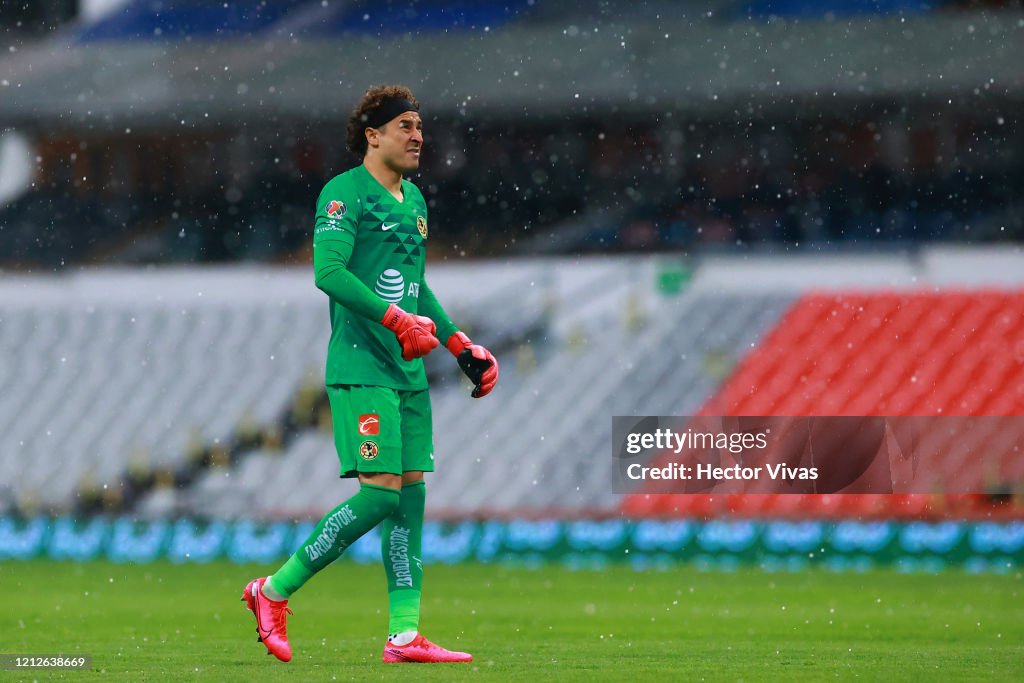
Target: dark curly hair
{"points": [[356, 140]]}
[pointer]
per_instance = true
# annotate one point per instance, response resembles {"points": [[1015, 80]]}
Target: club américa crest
{"points": [[369, 450], [421, 225]]}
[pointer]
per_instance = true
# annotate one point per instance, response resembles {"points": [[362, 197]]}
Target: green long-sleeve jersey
{"points": [[369, 251]]}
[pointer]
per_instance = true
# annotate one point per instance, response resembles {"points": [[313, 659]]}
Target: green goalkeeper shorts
{"points": [[379, 429]]}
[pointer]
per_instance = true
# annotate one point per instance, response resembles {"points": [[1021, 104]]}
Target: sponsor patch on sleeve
{"points": [[336, 208]]}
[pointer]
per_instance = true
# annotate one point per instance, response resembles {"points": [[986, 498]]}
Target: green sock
{"points": [[339, 529], [401, 543]]}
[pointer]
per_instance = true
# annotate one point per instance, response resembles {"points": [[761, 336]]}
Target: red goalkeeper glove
{"points": [[478, 363], [415, 332]]}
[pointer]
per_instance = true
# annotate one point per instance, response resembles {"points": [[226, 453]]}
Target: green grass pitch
{"points": [[169, 622]]}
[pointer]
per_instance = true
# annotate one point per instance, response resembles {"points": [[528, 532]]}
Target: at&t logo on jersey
{"points": [[390, 286]]}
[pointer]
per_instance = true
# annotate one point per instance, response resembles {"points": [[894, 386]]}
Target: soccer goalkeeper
{"points": [[369, 247]]}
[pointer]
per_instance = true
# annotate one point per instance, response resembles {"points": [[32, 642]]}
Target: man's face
{"points": [[400, 141]]}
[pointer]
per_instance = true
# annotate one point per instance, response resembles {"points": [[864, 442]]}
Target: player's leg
{"points": [[402, 532], [401, 550], [267, 597], [368, 440], [402, 541]]}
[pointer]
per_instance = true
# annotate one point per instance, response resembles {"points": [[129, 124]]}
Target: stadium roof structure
{"points": [[646, 65], [176, 20]]}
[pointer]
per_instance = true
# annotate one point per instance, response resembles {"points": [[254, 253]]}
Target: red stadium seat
{"points": [[897, 354]]}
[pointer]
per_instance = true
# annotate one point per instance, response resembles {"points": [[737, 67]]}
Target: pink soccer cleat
{"points": [[271, 618], [421, 650]]}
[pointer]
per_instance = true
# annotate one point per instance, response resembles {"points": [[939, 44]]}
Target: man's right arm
{"points": [[330, 265], [334, 237]]}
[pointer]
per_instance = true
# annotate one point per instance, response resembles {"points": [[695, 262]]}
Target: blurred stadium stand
{"points": [[731, 136], [947, 353], [179, 393], [195, 20], [887, 354], [708, 126]]}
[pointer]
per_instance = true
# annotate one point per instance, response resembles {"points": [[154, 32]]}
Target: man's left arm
{"points": [[478, 363], [431, 307]]}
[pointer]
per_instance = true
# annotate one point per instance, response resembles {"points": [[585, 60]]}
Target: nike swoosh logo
{"points": [[260, 631], [385, 226]]}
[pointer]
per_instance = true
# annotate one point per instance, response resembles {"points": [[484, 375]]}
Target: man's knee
{"points": [[388, 481]]}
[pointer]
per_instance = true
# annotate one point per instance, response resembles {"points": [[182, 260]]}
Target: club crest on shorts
{"points": [[369, 424], [368, 450], [336, 209], [421, 225]]}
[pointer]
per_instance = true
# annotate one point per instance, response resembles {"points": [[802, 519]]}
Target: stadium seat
{"points": [[914, 353]]}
